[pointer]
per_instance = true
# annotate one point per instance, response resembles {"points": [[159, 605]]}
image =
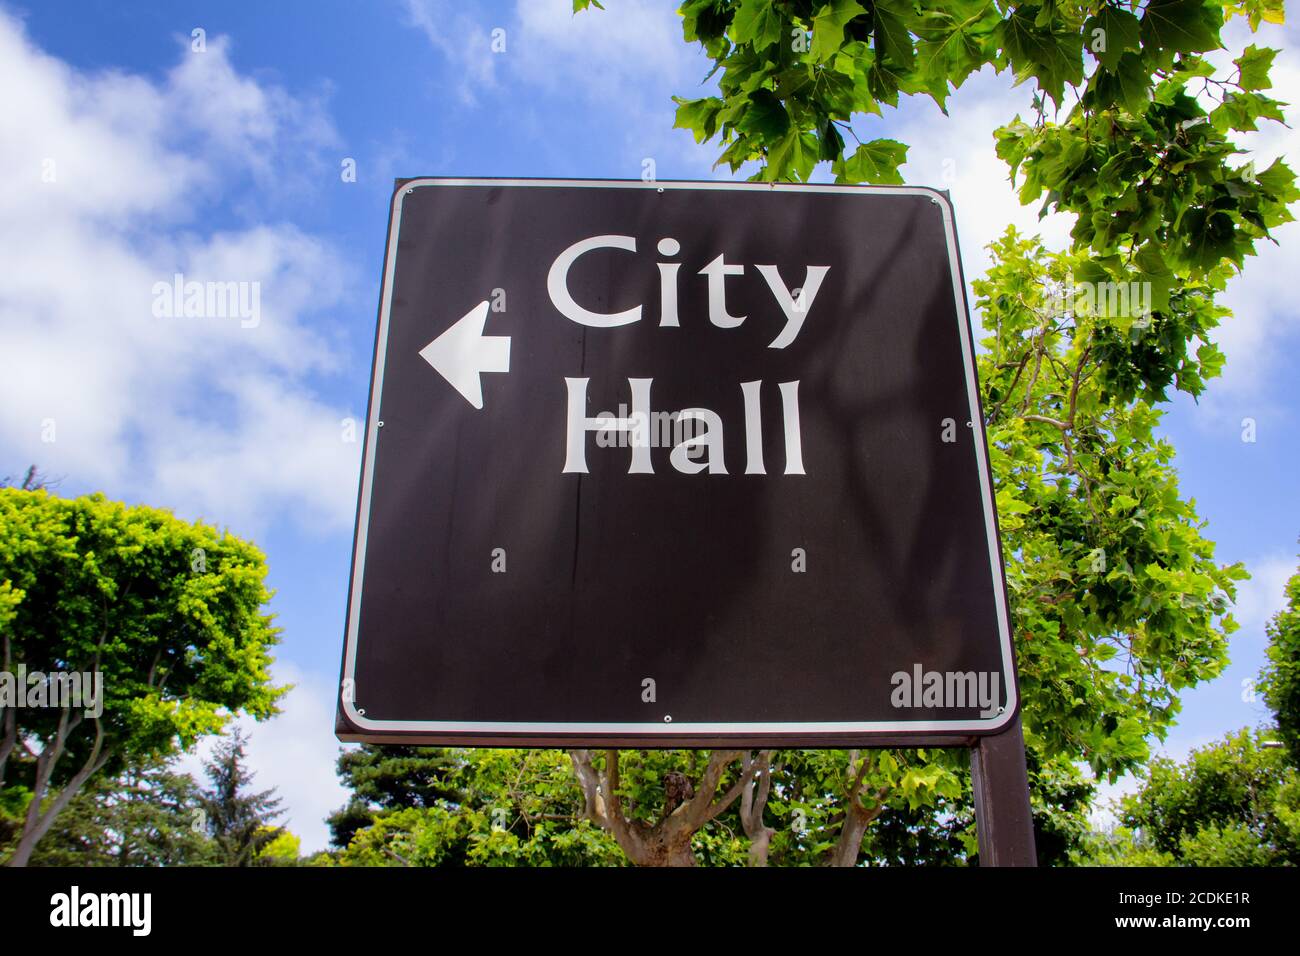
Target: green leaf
{"points": [[1122, 503], [1211, 360], [1278, 178], [1127, 86], [702, 22], [893, 41], [1210, 237], [765, 118], [758, 23], [1254, 65], [875, 162], [1090, 271], [1256, 11], [1239, 111], [1007, 504], [828, 27], [832, 143], [793, 157], [1152, 269], [1183, 26], [1110, 33], [1050, 55], [699, 116], [883, 84], [956, 40]]}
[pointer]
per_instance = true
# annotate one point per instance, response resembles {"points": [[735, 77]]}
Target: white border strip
{"points": [[676, 729]]}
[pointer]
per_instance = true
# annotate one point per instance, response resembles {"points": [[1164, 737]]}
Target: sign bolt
{"points": [[668, 718]]}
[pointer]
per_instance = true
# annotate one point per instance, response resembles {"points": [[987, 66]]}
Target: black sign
{"points": [[659, 464]]}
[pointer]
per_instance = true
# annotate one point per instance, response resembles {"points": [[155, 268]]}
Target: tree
{"points": [[1280, 680], [546, 807], [390, 778], [283, 849], [1117, 603], [238, 822], [1232, 803], [486, 808], [167, 613], [143, 816]]}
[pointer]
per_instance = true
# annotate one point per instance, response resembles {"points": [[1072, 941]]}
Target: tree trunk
{"points": [[668, 851], [856, 816], [850, 842], [667, 842], [759, 844], [753, 801], [37, 823]]}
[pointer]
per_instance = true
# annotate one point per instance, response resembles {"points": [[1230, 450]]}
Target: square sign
{"points": [[674, 464]]}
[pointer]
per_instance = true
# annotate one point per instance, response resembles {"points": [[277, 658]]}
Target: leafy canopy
{"points": [[1232, 803], [1280, 680], [168, 612], [1117, 601]]}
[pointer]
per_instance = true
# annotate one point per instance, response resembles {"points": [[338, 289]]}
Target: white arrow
{"points": [[462, 353]]}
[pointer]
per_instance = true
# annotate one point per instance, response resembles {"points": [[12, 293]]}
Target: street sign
{"points": [[674, 464]]}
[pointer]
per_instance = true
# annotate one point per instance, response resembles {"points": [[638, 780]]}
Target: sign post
{"points": [[679, 465], [1003, 820]]}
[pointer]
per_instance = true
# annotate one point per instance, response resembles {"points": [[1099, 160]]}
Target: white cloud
{"points": [[956, 152], [293, 753], [108, 189], [629, 52], [466, 44], [624, 63], [96, 135], [1263, 595]]}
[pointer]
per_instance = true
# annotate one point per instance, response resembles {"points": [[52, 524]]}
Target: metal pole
{"points": [[1001, 784]]}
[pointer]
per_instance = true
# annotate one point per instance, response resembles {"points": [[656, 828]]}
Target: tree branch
{"points": [[616, 822], [1063, 426], [753, 801], [589, 782], [37, 823], [993, 415], [695, 812]]}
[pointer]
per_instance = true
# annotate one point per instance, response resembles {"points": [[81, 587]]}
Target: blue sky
{"points": [[128, 156]]}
